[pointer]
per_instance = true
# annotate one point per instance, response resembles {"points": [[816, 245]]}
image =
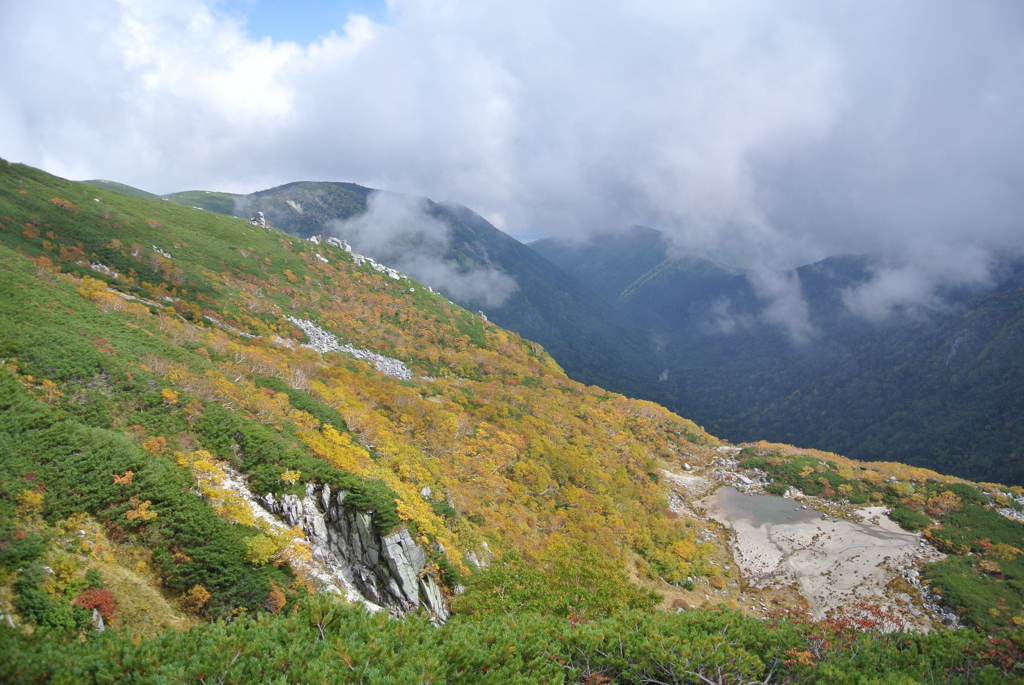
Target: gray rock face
{"points": [[386, 571]]}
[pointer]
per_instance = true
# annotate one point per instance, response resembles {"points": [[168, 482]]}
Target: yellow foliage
{"points": [[30, 503], [1004, 551], [338, 449], [90, 288], [64, 204], [51, 393], [405, 512], [259, 549], [195, 599], [155, 445], [291, 477], [872, 477], [943, 503], [141, 510], [169, 396], [901, 489]]}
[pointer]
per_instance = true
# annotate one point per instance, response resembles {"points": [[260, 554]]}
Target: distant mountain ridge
{"points": [[590, 340], [607, 264]]}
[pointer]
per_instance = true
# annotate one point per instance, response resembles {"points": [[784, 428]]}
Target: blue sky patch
{"points": [[301, 21]]}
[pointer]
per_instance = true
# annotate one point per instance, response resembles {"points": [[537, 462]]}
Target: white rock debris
{"points": [[324, 342], [357, 259], [162, 253], [103, 269], [1011, 513], [278, 340], [340, 244], [322, 258]]}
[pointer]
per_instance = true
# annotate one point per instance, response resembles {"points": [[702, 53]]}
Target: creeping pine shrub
{"points": [[572, 580], [20, 549], [909, 519], [46, 612], [86, 470]]}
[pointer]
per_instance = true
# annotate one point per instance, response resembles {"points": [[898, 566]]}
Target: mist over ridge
{"points": [[785, 133]]}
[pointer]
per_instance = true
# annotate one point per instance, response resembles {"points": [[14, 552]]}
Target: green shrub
{"points": [[909, 519], [753, 463], [572, 580], [15, 553]]}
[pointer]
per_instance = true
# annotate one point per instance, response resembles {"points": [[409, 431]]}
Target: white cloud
{"points": [[400, 231], [913, 281], [785, 130], [785, 303]]}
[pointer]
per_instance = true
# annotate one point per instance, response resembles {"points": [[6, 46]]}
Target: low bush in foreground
{"points": [[322, 641]]}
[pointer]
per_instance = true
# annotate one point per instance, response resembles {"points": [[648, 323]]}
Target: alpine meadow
{"points": [[235, 454]]}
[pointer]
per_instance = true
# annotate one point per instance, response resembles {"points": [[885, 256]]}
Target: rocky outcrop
{"points": [[387, 571], [324, 342]]}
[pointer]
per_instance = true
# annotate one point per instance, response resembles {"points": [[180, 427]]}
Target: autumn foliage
{"points": [[100, 599]]}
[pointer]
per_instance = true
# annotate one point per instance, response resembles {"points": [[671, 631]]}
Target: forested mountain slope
{"points": [[941, 387], [175, 335], [607, 264]]}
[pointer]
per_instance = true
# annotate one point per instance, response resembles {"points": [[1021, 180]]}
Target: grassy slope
{"points": [[515, 448], [516, 454], [121, 188], [222, 203], [592, 342]]}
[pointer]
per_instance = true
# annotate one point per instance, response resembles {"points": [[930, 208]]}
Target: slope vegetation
{"points": [[589, 339], [165, 368], [151, 343]]}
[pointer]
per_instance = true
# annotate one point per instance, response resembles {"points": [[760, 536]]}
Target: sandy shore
{"points": [[833, 561]]}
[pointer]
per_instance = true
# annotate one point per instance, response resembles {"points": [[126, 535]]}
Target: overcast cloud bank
{"points": [[784, 131]]}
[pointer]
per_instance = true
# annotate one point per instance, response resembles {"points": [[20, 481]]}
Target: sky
{"points": [[298, 21], [783, 130]]}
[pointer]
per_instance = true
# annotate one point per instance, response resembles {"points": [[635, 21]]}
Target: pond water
{"points": [[762, 509]]}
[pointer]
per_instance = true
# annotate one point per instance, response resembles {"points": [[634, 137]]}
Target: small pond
{"points": [[762, 509]]}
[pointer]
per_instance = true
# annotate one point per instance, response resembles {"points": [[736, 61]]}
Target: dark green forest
{"points": [[941, 387]]}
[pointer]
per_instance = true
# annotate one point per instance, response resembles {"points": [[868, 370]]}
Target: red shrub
{"points": [[100, 600]]}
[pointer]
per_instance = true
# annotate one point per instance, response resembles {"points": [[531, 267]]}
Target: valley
{"points": [[937, 387]]}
